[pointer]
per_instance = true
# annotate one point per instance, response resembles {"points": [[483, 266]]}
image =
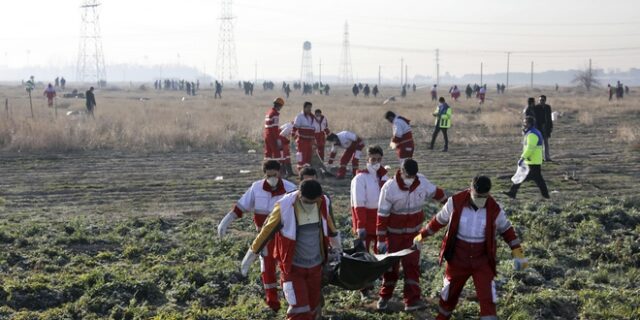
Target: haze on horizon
{"points": [[556, 35]]}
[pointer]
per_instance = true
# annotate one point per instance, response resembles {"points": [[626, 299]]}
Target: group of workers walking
{"points": [[297, 231]]}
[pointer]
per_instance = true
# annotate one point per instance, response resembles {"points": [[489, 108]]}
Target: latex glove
{"points": [[224, 224], [417, 242], [393, 145], [519, 261], [362, 234], [520, 162], [279, 143], [247, 261], [336, 243], [382, 247]]}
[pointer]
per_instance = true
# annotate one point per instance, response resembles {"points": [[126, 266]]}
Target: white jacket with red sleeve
{"points": [[400, 206]]}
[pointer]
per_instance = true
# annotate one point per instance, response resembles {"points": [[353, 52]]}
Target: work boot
{"points": [[383, 304], [417, 305], [445, 149]]}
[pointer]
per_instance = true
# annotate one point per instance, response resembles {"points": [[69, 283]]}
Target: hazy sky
{"points": [[271, 33]]}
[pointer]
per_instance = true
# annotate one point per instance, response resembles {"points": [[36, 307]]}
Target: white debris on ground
{"points": [[245, 171], [218, 178], [251, 151]]}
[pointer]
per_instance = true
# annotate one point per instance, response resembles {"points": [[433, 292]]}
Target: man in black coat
{"points": [[548, 125], [91, 101]]}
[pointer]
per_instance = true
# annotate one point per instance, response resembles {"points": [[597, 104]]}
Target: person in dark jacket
{"points": [[91, 101], [548, 125], [537, 112]]}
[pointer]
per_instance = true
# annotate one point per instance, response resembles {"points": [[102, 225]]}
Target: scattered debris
{"points": [[392, 98], [218, 178], [245, 171], [251, 151]]}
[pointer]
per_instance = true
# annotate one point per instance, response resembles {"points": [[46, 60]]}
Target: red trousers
{"points": [[352, 153], [320, 143], [369, 226], [410, 265], [268, 268], [302, 289], [405, 151], [271, 150], [305, 150], [285, 151], [469, 260]]}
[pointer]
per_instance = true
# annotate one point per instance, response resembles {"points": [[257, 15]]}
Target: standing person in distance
{"points": [[443, 115], [547, 128], [90, 101]]}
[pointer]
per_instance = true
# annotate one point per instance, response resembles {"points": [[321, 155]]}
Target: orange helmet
{"points": [[279, 101]]}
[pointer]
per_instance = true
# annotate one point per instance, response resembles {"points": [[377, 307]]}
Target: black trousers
{"points": [[435, 135], [535, 174]]}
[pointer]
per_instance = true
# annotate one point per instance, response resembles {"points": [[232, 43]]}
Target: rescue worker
{"points": [[434, 92], [285, 149], [400, 217], [353, 146], [305, 239], [304, 131], [321, 131], [260, 199], [532, 156], [271, 130], [365, 192], [402, 139], [473, 219], [50, 93], [443, 115]]}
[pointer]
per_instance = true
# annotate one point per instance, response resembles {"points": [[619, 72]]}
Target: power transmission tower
{"points": [[306, 68], [90, 67], [345, 74], [226, 62]]}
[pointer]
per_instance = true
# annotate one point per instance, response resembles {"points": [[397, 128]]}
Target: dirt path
{"points": [[587, 162]]}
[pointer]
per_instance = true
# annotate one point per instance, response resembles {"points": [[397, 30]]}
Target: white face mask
{"points": [[373, 167], [408, 181], [272, 181], [479, 202]]}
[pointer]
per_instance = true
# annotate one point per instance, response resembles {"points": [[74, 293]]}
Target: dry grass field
{"points": [[114, 217]]}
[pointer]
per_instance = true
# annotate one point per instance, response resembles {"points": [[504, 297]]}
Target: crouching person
{"points": [[473, 218], [305, 239]]}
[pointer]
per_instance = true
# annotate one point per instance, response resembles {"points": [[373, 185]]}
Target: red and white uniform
{"points": [[365, 193], [304, 131], [260, 199], [400, 218], [271, 135], [50, 93], [469, 247], [285, 135], [321, 132], [302, 286], [403, 138], [481, 94], [353, 146]]}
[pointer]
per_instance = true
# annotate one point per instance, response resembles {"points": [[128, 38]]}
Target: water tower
{"points": [[306, 70]]}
